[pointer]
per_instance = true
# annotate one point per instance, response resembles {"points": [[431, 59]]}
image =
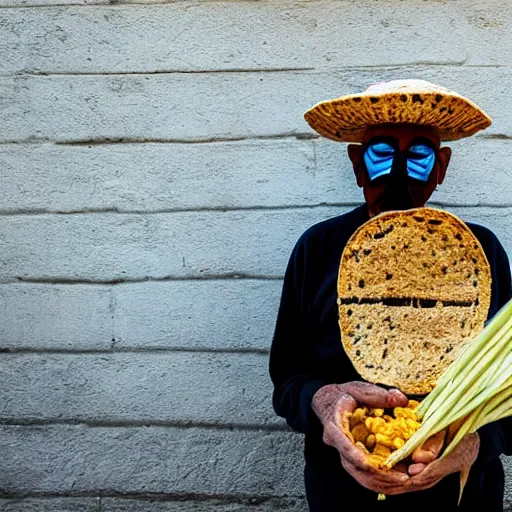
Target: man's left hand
{"points": [[427, 470]]}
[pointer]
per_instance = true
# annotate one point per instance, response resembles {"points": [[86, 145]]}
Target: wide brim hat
{"points": [[345, 119]]}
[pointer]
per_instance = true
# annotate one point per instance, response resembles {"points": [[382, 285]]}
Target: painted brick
{"points": [[150, 459], [183, 387], [209, 314], [196, 314], [185, 244], [38, 316], [239, 35], [119, 246], [161, 176], [485, 32], [185, 106]]}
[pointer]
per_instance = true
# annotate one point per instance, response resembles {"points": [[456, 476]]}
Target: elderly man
{"points": [[398, 127]]}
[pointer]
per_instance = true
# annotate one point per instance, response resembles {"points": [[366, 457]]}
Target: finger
{"points": [[389, 482], [401, 467], [462, 457], [350, 453], [357, 460], [430, 449], [397, 399], [416, 469], [345, 406], [375, 396]]}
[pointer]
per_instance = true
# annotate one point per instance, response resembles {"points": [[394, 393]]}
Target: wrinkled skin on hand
{"points": [[333, 404]]}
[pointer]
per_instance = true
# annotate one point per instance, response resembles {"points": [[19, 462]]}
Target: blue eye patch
{"points": [[420, 162], [379, 157]]}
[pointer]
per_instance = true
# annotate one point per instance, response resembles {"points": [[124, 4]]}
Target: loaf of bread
{"points": [[414, 287]]}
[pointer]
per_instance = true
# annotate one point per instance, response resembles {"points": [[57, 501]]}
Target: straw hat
{"points": [[400, 101]]}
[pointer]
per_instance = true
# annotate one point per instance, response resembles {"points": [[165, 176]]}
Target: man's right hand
{"points": [[333, 404]]}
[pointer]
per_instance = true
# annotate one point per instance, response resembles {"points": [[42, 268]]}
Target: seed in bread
{"points": [[413, 287]]}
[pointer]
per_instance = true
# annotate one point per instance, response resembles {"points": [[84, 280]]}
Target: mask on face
{"points": [[386, 164]]}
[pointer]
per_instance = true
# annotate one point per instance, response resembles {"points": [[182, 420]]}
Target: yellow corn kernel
{"points": [[408, 413], [387, 430], [360, 432], [356, 417], [400, 412], [383, 440], [413, 404], [412, 424], [352, 420], [370, 441], [398, 442], [387, 417], [382, 451], [376, 460], [377, 425], [360, 414], [377, 412], [362, 447], [368, 422]]}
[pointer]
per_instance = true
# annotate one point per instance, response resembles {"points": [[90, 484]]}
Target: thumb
{"points": [[430, 449], [375, 396]]}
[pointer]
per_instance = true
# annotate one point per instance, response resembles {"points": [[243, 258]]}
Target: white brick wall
{"points": [[155, 172]]}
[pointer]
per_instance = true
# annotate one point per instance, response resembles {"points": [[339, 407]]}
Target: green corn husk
{"points": [[498, 407], [476, 387], [470, 358]]}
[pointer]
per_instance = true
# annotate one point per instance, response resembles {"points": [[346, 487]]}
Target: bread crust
{"points": [[414, 287]]}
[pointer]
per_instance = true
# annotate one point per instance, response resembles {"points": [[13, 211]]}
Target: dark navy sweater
{"points": [[307, 354]]}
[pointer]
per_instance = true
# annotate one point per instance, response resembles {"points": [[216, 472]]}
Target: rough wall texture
{"points": [[156, 171]]}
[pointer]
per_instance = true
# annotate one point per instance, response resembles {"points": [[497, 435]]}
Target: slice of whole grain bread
{"points": [[413, 288]]}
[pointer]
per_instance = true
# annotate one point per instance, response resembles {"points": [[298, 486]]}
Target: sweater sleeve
{"points": [[496, 438], [290, 369]]}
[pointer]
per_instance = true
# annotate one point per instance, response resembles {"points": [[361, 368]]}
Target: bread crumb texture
{"points": [[413, 288]]}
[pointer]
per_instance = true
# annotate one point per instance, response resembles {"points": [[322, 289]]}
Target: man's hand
{"points": [[334, 403], [427, 471]]}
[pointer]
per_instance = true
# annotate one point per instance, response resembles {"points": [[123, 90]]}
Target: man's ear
{"points": [[355, 153], [444, 159]]}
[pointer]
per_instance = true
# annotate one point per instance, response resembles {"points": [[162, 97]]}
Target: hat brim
{"points": [[346, 119]]}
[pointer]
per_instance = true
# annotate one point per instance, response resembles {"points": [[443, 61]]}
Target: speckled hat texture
{"points": [[345, 119]]}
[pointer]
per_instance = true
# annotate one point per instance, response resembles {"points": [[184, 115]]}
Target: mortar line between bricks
{"points": [[165, 424], [50, 73], [204, 209], [242, 70], [228, 209], [114, 282], [134, 350], [228, 498], [111, 141], [106, 141]]}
